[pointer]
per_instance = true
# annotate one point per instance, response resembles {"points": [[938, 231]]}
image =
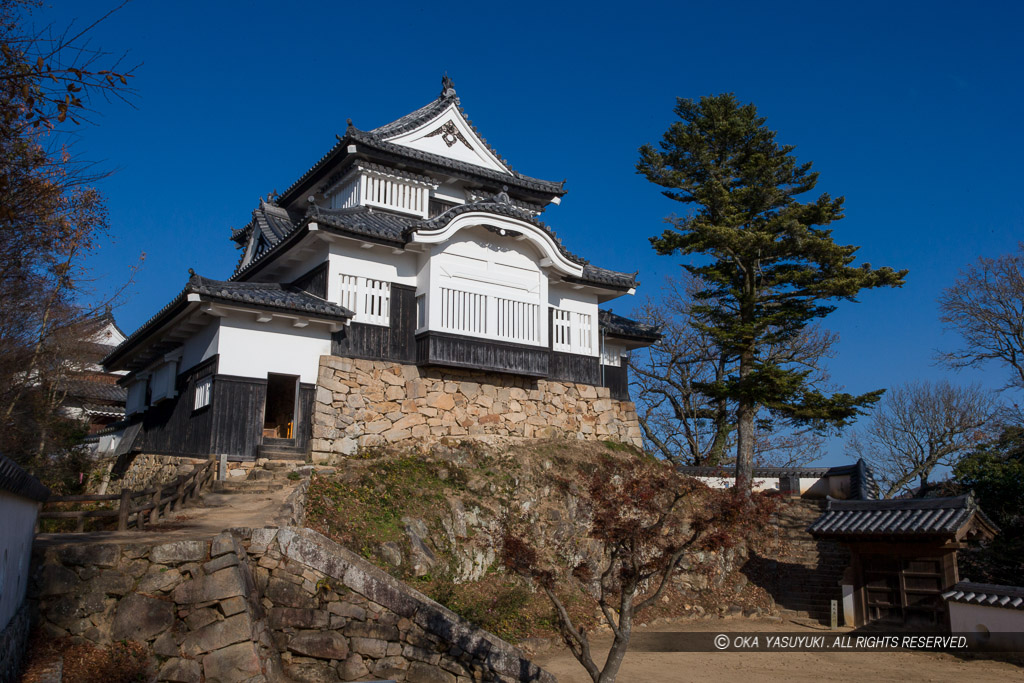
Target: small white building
{"points": [[414, 243], [990, 616], [20, 495]]}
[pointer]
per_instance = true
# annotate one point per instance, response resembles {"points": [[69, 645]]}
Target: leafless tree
{"points": [[920, 426], [986, 307], [51, 219], [688, 427]]}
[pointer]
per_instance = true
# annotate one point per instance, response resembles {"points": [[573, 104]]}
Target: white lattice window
{"points": [[202, 392], [369, 299], [583, 332], [561, 330], [572, 332], [421, 311], [463, 312], [516, 321]]}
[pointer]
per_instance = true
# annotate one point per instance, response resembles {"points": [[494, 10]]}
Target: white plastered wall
{"points": [[16, 532], [349, 257], [477, 260], [985, 625], [200, 346], [253, 349]]}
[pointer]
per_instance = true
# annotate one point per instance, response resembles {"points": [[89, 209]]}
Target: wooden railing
{"points": [[138, 508]]}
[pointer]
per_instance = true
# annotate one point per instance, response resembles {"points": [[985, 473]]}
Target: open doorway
{"points": [[279, 416]]}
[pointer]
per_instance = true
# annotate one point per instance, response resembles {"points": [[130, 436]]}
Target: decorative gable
{"points": [[449, 135]]}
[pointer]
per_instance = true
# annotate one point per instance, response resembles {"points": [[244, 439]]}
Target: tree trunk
{"points": [[745, 412]]}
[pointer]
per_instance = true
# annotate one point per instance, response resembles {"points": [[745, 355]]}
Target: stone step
{"points": [[245, 487], [298, 454]]}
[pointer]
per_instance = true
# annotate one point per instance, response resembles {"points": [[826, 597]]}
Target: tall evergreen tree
{"points": [[771, 265]]}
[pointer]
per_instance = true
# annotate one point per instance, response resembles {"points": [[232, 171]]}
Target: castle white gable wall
{"points": [[450, 136]]}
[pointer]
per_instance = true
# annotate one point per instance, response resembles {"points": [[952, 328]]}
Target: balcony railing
{"points": [[484, 315]]}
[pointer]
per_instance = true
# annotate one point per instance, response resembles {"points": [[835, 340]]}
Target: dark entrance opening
{"points": [[279, 417]]}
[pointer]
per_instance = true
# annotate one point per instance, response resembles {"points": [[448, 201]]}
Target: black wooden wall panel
{"points": [[304, 420], [171, 427], [617, 380], [571, 367], [313, 281], [375, 342], [467, 352], [237, 406]]}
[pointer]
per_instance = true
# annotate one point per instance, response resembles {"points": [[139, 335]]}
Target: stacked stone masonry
{"points": [[257, 605], [363, 403]]}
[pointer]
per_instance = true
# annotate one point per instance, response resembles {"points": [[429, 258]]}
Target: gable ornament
{"points": [[450, 134]]}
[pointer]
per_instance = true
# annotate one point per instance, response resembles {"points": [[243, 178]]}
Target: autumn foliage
{"points": [[644, 518]]}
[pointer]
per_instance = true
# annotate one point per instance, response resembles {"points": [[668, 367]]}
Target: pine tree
{"points": [[771, 266]]}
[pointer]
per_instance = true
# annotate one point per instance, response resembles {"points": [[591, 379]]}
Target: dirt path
{"points": [[220, 511], [790, 667]]}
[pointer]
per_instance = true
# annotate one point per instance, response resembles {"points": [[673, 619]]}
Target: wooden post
{"points": [[835, 615], [122, 510], [179, 494], [154, 514]]}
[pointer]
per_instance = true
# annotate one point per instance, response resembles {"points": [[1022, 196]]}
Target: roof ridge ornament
{"points": [[447, 87]]}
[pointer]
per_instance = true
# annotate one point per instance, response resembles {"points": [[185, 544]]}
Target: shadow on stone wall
{"points": [[264, 605]]}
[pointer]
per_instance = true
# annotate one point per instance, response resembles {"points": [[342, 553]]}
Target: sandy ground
{"points": [[790, 667]]}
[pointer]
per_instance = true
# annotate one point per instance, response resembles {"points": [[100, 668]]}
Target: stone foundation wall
{"points": [[259, 605], [148, 470], [362, 403]]}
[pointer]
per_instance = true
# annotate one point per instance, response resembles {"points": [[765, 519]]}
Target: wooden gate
{"points": [[906, 589]]}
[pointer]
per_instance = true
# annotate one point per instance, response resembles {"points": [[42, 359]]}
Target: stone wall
{"points": [[261, 605], [362, 403], [13, 643], [146, 470]]}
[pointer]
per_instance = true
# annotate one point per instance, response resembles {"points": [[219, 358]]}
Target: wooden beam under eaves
{"points": [[264, 317]]}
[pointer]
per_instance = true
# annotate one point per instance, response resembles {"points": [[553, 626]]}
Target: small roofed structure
{"points": [[846, 482], [903, 554]]}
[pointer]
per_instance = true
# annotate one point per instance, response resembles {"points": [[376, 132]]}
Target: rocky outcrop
{"points": [[260, 605], [362, 403]]}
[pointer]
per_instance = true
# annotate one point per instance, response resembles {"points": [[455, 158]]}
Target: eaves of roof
{"points": [[986, 594], [370, 146], [899, 518], [18, 482], [259, 295], [621, 327]]}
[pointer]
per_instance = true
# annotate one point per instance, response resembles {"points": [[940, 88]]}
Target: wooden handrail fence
{"points": [[133, 506]]}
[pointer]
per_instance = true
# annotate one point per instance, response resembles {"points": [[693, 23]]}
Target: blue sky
{"points": [[910, 110]]}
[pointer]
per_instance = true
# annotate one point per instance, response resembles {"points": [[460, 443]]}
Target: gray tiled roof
{"points": [[362, 221], [97, 391], [988, 594], [901, 518], [618, 326], [375, 139], [18, 482], [439, 162], [107, 411], [264, 295], [597, 275]]}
